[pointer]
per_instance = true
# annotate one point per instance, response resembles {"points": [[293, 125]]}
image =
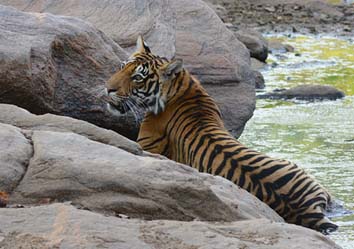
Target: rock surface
{"points": [[63, 226], [260, 82], [127, 197], [12, 115], [57, 64], [306, 92], [65, 166], [257, 65], [255, 42], [186, 29], [15, 152]]}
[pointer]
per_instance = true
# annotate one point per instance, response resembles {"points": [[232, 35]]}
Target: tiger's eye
{"points": [[122, 65], [137, 78]]}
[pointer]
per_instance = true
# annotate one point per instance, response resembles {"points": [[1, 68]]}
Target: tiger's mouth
{"points": [[115, 104]]}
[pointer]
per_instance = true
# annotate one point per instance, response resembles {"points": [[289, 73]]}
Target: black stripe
{"points": [[280, 182], [228, 155], [298, 193], [207, 148], [258, 159], [269, 171]]}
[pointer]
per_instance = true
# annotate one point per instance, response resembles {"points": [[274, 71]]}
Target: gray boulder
{"points": [[58, 64], [55, 165], [186, 29], [306, 92], [255, 42], [15, 153], [257, 65], [13, 115], [63, 226], [70, 167], [260, 82]]}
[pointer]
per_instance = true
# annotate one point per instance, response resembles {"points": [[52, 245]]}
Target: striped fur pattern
{"points": [[183, 123]]}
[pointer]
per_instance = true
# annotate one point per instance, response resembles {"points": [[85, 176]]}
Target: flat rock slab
{"points": [[63, 226], [306, 92]]}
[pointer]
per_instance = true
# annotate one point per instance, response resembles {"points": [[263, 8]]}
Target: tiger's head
{"points": [[142, 83]]}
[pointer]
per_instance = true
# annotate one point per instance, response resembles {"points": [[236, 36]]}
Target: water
{"points": [[317, 136], [341, 1]]}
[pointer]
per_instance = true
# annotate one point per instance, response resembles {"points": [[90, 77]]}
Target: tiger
{"points": [[182, 122]]}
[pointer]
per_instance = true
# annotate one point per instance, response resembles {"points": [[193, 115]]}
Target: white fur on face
{"points": [[113, 110]]}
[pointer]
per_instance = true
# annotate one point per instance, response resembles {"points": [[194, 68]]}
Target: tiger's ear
{"points": [[170, 69], [141, 46]]}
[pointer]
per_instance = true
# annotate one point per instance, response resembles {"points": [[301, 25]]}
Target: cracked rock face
{"points": [[189, 30]]}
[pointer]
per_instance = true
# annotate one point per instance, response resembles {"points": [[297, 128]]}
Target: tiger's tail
{"points": [[326, 226], [316, 219]]}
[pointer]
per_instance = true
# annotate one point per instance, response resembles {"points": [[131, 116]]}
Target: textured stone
{"points": [[15, 153], [58, 64], [67, 167], [63, 226], [70, 167], [13, 115], [260, 82], [257, 65], [255, 42]]}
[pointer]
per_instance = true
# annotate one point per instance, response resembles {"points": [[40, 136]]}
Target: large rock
{"points": [[257, 65], [306, 92], [15, 153], [187, 29], [57, 64], [63, 226], [70, 167], [60, 166], [260, 82], [65, 166], [12, 115], [255, 42]]}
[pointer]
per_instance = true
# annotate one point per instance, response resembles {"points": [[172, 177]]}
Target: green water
{"points": [[317, 136]]}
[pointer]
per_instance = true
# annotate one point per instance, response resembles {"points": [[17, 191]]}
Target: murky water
{"points": [[317, 136], [341, 1]]}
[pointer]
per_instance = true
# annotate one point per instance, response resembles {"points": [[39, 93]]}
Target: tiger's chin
{"points": [[115, 110]]}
